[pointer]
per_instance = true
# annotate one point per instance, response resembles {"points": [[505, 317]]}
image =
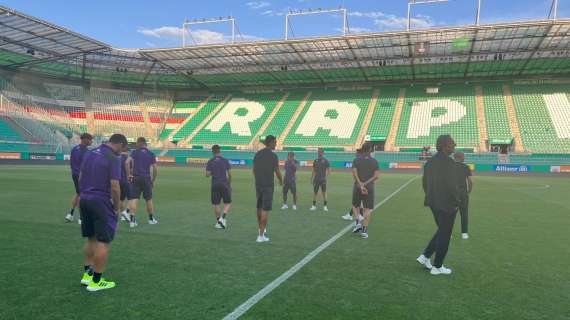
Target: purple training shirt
{"points": [[142, 160], [291, 170], [76, 157], [218, 166], [100, 166]]}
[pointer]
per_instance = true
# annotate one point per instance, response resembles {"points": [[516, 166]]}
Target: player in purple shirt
{"points": [[100, 192], [290, 181], [139, 165], [75, 159], [219, 169], [125, 185]]}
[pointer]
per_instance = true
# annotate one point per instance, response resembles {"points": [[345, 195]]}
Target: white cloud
{"points": [[256, 5], [273, 13], [359, 30], [386, 21], [198, 36], [162, 32]]}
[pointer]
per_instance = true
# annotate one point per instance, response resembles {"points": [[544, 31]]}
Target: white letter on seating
{"points": [[559, 109], [340, 126], [239, 124], [421, 119]]}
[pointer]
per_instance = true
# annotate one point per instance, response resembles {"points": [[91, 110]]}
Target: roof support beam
{"points": [[188, 77], [148, 73]]}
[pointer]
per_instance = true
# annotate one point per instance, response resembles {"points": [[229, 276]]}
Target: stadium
{"points": [[501, 90]]}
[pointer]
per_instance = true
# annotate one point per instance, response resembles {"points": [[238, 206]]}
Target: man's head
{"points": [[125, 149], [358, 151], [367, 148], [118, 142], [216, 149], [291, 155], [445, 144], [321, 152], [270, 142], [459, 157], [86, 139], [141, 142]]}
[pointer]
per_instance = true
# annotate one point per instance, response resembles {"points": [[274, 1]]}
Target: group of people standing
{"points": [[107, 175]]}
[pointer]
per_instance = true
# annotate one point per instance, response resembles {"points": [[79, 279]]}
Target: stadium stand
{"points": [[330, 118], [543, 113], [426, 116], [383, 114], [498, 129], [239, 120]]}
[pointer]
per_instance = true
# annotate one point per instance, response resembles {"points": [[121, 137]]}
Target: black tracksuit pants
{"points": [[464, 212], [444, 219]]}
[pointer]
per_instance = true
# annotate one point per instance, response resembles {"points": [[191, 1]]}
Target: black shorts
{"points": [[141, 185], [264, 198], [75, 178], [125, 189], [290, 185], [367, 200], [98, 220], [320, 185], [221, 191]]}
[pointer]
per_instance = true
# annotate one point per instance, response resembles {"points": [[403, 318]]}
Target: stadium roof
{"points": [[530, 48]]}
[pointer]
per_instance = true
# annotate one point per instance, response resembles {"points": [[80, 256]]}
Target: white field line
{"points": [[243, 308]]}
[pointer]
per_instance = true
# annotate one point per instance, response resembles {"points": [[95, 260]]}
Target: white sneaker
{"points": [[464, 236], [68, 218], [222, 223], [262, 239], [79, 221], [125, 216], [325, 209], [313, 208], [443, 270], [217, 225], [285, 207], [265, 238], [133, 224], [152, 221], [357, 227], [364, 235], [347, 217], [424, 261], [295, 207]]}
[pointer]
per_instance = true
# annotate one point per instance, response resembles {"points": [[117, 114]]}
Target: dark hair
{"points": [[366, 147], [290, 153], [216, 148], [118, 138], [141, 140], [442, 141], [86, 135], [269, 140]]}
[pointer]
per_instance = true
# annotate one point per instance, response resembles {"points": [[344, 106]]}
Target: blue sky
{"points": [[146, 23]]}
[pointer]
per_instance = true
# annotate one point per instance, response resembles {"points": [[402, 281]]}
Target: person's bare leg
{"points": [[217, 211], [366, 217], [100, 256], [227, 207], [150, 207], [133, 209], [262, 222], [89, 250]]}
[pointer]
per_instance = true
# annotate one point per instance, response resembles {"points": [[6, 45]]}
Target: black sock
{"points": [[224, 215], [128, 211], [71, 211], [96, 277], [88, 270], [132, 218], [364, 229], [150, 217], [325, 203], [314, 203]]}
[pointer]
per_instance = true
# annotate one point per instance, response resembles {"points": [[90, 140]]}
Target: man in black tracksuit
{"points": [[442, 196]]}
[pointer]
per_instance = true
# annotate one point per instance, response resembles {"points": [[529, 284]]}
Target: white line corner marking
{"points": [[243, 308]]}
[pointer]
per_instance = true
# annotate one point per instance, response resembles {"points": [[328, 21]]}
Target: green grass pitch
{"points": [[515, 266]]}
